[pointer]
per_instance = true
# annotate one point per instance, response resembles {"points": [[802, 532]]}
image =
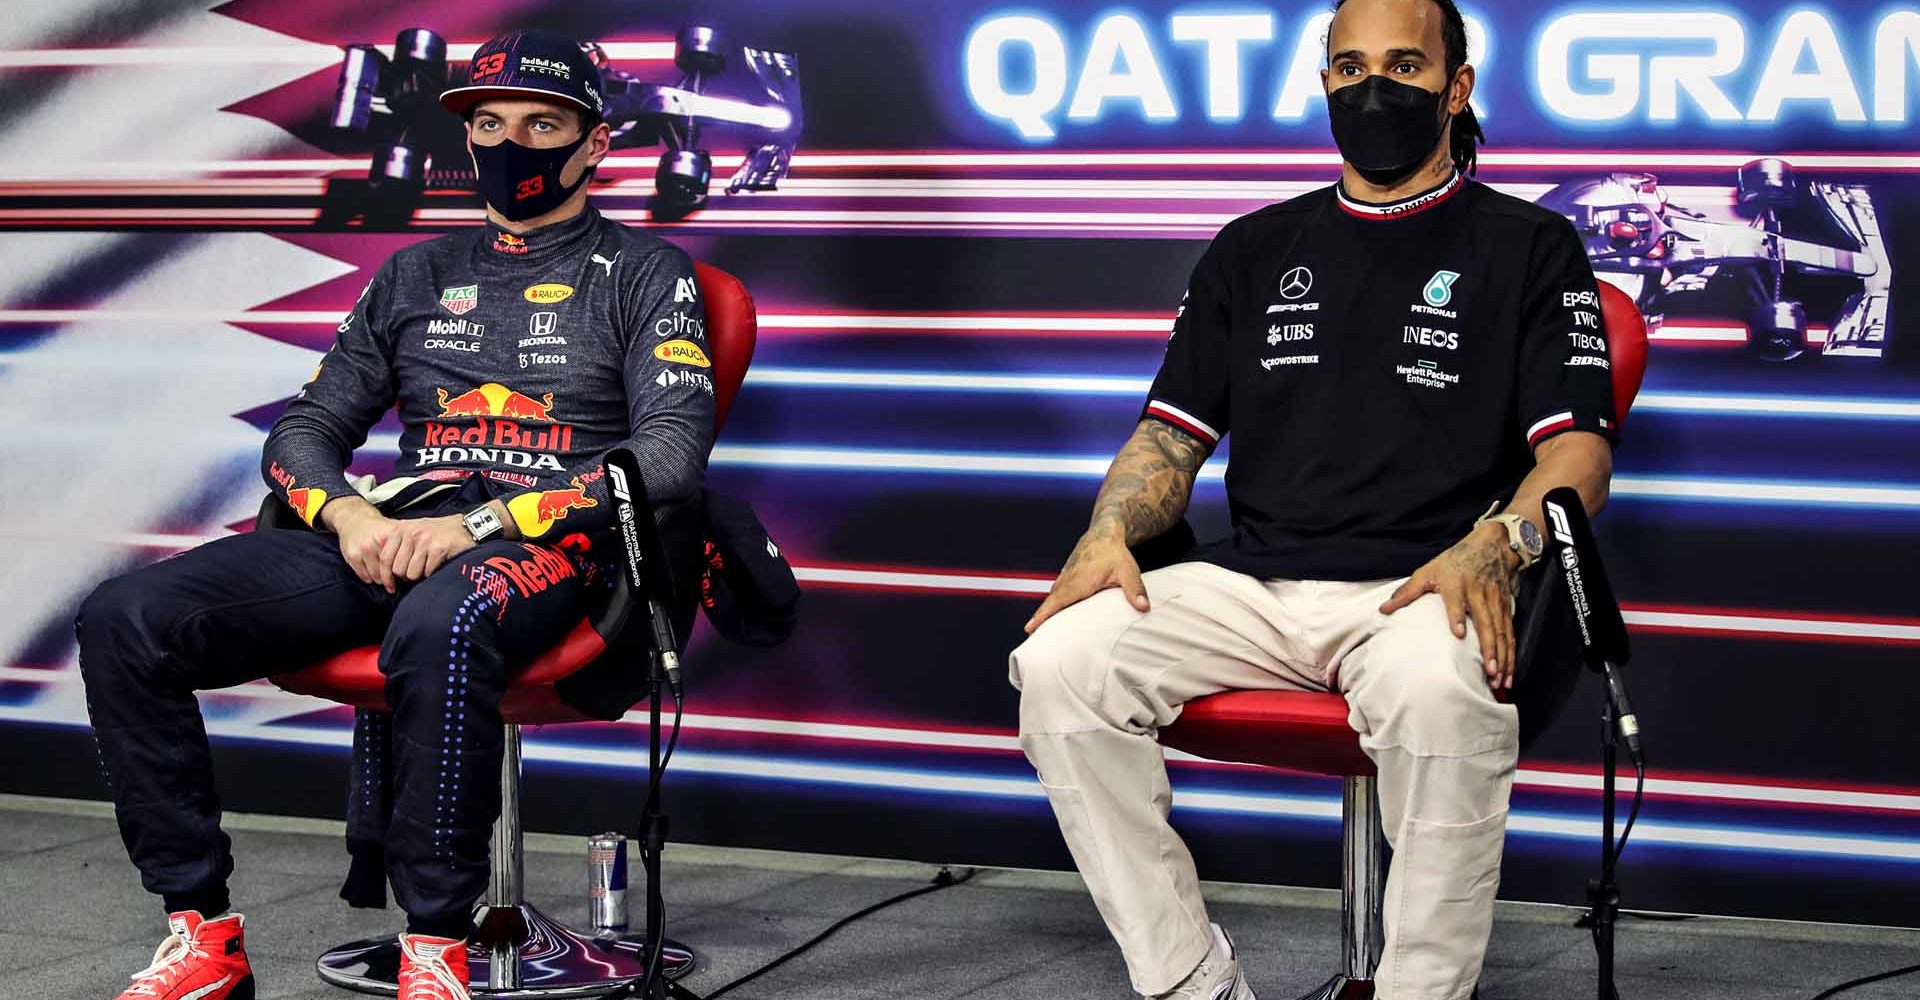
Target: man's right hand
{"points": [[1100, 560], [363, 531]]}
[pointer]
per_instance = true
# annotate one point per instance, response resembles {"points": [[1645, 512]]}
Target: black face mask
{"points": [[1385, 128], [522, 182]]}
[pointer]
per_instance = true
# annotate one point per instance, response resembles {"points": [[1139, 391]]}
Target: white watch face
{"points": [[482, 523]]}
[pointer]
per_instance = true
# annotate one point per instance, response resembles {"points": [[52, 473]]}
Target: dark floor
{"points": [[76, 923]]}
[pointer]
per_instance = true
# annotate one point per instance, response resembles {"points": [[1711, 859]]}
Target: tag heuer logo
{"points": [[460, 301], [1439, 290]]}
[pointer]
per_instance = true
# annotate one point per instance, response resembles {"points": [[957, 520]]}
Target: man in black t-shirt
{"points": [[1396, 357]]}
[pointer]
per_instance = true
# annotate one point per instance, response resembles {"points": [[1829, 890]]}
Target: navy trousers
{"points": [[251, 605]]}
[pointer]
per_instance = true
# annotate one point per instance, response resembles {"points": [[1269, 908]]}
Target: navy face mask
{"points": [[522, 182], [1385, 128]]}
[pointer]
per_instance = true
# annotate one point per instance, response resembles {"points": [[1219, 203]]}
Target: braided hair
{"points": [[1467, 134]]}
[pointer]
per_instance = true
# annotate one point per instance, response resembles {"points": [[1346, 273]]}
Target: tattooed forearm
{"points": [[1147, 489]]}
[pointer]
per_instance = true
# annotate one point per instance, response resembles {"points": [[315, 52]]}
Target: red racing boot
{"points": [[433, 968], [201, 960]]}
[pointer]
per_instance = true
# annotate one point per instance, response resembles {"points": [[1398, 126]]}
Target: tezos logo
{"points": [[1296, 283], [1439, 290]]}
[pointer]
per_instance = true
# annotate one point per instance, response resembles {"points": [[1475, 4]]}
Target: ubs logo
{"points": [[1296, 283]]}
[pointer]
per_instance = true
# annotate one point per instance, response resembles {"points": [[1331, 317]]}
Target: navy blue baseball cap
{"points": [[529, 64]]}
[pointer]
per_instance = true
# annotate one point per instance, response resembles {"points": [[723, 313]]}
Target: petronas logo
{"points": [[1439, 290]]}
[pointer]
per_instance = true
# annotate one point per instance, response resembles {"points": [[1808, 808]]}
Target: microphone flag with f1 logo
{"points": [[1603, 633]]}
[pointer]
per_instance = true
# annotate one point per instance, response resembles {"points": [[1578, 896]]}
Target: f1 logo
{"points": [[617, 481], [1562, 531], [542, 324]]}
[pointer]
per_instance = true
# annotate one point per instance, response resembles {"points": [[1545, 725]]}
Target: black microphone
{"points": [[646, 565], [1603, 632]]}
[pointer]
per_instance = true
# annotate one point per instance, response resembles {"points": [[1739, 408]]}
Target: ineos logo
{"points": [[1296, 283]]}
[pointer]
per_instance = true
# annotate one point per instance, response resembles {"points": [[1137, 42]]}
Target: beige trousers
{"points": [[1100, 678]]}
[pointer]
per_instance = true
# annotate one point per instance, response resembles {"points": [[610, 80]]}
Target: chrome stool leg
{"points": [[516, 951], [1362, 893]]}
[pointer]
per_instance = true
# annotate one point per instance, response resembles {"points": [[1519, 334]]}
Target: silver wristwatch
{"points": [[1522, 537], [482, 523]]}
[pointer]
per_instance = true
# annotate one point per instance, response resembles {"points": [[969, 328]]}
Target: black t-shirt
{"points": [[1385, 371]]}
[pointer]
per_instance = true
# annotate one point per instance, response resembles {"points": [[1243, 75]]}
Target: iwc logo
{"points": [[1297, 282]]}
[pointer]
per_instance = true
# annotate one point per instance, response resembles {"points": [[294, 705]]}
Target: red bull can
{"points": [[607, 883]]}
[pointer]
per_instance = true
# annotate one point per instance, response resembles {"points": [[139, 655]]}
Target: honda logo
{"points": [[542, 324]]}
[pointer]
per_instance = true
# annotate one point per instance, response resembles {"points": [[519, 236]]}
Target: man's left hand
{"points": [[1475, 579], [422, 545]]}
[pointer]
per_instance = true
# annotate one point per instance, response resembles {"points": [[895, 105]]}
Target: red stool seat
{"points": [[1298, 730], [354, 678]]}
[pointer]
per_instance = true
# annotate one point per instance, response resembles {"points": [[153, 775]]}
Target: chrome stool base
{"points": [[1342, 988], [555, 961]]}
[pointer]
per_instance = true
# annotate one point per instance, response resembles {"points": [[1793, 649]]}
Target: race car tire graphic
{"points": [[1767, 184], [423, 51], [399, 168], [1779, 331], [683, 178], [696, 49]]}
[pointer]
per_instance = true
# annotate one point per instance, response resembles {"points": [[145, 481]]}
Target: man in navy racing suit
{"points": [[517, 353]]}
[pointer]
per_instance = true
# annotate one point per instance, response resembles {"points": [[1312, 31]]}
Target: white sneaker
{"points": [[1216, 978]]}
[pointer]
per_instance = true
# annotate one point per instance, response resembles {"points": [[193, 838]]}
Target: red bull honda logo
{"points": [[491, 429]]}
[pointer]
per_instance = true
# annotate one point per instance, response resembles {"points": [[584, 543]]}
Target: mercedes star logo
{"points": [[1295, 283]]}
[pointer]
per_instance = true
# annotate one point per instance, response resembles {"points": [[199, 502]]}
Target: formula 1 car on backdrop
{"points": [[418, 147], [1780, 250]]}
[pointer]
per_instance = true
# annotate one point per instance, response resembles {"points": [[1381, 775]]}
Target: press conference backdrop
{"points": [[964, 285]]}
